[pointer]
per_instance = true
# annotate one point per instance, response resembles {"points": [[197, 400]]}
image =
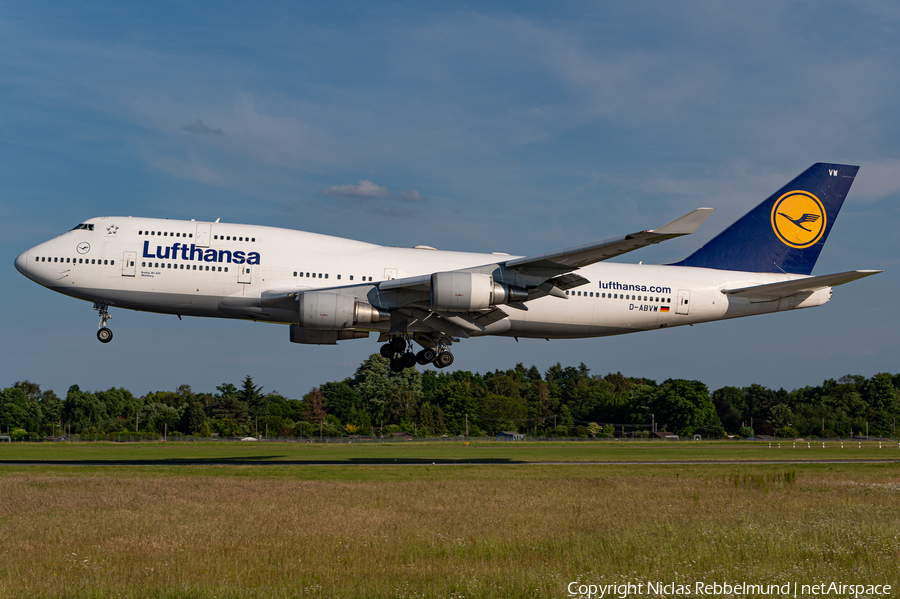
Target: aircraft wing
{"points": [[774, 291], [409, 298], [576, 257], [563, 261]]}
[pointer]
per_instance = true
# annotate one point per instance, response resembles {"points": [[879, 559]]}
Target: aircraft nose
{"points": [[22, 263]]}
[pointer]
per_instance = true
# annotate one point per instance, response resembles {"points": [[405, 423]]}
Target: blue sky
{"points": [[515, 127]]}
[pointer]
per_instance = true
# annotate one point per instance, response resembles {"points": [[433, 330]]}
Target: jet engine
{"points": [[467, 291], [332, 311]]}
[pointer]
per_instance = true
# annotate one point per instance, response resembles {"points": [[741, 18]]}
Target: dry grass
{"points": [[108, 535]]}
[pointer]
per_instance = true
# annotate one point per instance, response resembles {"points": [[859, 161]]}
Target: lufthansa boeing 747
{"points": [[329, 289]]}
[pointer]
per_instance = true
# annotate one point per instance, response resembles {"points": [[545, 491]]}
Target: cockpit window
{"points": [[84, 226]]}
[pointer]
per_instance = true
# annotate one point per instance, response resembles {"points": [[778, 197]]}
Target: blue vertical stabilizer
{"points": [[787, 231]]}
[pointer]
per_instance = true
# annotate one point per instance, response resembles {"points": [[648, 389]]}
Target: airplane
{"points": [[330, 289]]}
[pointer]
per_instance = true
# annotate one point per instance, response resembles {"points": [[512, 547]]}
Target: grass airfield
{"points": [[281, 520]]}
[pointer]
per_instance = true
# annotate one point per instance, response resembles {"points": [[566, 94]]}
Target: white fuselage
{"points": [[196, 268]]}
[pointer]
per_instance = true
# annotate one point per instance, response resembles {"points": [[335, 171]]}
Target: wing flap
{"points": [[786, 288]]}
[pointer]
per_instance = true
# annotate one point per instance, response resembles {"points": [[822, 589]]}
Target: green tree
{"points": [[194, 419], [372, 384], [257, 403], [83, 410], [684, 406], [341, 399]]}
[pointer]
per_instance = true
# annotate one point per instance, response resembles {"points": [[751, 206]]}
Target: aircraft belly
{"points": [[162, 302]]}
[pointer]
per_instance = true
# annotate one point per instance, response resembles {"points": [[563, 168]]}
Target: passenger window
{"points": [[143, 265], [254, 239], [326, 275], [351, 277], [226, 269], [140, 232], [339, 277], [153, 232], [165, 233], [320, 275]]}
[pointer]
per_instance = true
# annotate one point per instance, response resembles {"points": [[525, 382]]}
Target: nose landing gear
{"points": [[104, 334]]}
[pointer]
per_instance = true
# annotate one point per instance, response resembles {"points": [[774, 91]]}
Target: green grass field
{"points": [[506, 528], [450, 451]]}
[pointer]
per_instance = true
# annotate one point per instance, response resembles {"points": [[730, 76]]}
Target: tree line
{"points": [[561, 402]]}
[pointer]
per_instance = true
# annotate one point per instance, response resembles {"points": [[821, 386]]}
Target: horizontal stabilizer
{"points": [[786, 288]]}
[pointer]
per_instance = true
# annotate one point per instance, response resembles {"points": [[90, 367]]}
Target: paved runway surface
{"points": [[423, 462]]}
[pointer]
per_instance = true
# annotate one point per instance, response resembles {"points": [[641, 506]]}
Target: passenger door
{"points": [[684, 298], [202, 236], [244, 274], [128, 261]]}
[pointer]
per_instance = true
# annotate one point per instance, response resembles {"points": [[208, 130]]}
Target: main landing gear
{"points": [[104, 334], [399, 351]]}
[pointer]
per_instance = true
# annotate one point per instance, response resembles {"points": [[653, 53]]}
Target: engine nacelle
{"points": [[467, 291], [332, 311]]}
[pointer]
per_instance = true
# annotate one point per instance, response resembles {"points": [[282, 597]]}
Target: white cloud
{"points": [[877, 180], [367, 190]]}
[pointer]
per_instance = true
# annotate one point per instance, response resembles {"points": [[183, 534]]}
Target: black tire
{"points": [[104, 335], [443, 359], [426, 356], [396, 364], [408, 360], [398, 344], [387, 351]]}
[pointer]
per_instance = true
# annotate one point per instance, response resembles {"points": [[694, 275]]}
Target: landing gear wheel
{"points": [[443, 359], [396, 364], [104, 335], [399, 344], [426, 356], [408, 360], [387, 351]]}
